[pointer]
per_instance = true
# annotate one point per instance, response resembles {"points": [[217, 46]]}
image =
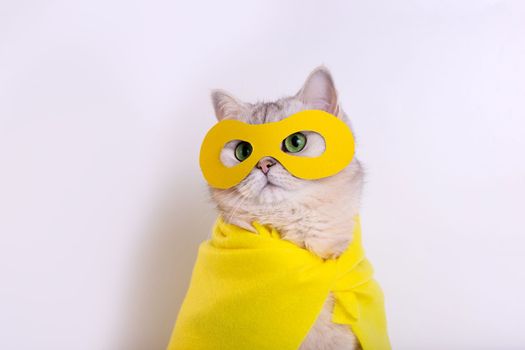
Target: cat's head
{"points": [[269, 186]]}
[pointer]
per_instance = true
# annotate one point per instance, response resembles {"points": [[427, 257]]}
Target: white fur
{"points": [[326, 335], [314, 214]]}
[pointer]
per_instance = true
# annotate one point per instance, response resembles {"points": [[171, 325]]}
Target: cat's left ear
{"points": [[227, 106], [319, 91]]}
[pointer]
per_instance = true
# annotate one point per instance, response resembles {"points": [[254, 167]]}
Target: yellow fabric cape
{"points": [[260, 292]]}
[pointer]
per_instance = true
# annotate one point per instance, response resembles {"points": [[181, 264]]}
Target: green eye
{"points": [[294, 143], [243, 150]]}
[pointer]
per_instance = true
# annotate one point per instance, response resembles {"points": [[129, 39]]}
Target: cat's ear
{"points": [[319, 91], [226, 106]]}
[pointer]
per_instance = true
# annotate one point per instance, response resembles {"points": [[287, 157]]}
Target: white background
{"points": [[103, 105]]}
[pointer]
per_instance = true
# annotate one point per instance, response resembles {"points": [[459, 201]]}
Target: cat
{"points": [[317, 215]]}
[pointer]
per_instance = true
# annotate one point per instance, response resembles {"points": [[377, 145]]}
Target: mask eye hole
{"points": [[294, 143], [243, 150]]}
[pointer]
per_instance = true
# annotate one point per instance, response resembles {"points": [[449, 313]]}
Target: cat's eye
{"points": [[243, 150], [294, 143]]}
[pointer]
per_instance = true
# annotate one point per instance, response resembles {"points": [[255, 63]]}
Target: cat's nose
{"points": [[265, 164]]}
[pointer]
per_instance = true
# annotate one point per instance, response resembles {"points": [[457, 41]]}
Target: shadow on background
{"points": [[164, 265]]}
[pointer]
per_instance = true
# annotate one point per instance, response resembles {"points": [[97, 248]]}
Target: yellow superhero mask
{"points": [[266, 140]]}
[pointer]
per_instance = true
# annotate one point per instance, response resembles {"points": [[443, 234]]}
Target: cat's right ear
{"points": [[226, 106], [319, 91]]}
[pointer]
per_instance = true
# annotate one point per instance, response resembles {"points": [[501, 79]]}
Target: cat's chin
{"points": [[271, 193]]}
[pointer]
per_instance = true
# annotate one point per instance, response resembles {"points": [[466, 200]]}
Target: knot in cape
{"points": [[260, 292]]}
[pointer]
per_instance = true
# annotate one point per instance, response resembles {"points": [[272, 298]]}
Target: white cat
{"points": [[314, 214]]}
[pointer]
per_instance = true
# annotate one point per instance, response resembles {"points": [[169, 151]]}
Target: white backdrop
{"points": [[103, 105]]}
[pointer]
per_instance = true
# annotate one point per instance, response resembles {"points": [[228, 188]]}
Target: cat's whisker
{"points": [[236, 207]]}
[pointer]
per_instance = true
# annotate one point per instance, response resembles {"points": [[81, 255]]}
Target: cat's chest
{"points": [[324, 235]]}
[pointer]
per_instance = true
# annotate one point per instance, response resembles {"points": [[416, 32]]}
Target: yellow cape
{"points": [[260, 292]]}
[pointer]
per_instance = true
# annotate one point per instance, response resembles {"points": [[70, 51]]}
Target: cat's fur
{"points": [[314, 214]]}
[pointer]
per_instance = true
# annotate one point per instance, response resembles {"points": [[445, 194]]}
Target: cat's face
{"points": [[269, 185], [269, 182]]}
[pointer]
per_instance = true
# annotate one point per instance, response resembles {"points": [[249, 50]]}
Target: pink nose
{"points": [[265, 164]]}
